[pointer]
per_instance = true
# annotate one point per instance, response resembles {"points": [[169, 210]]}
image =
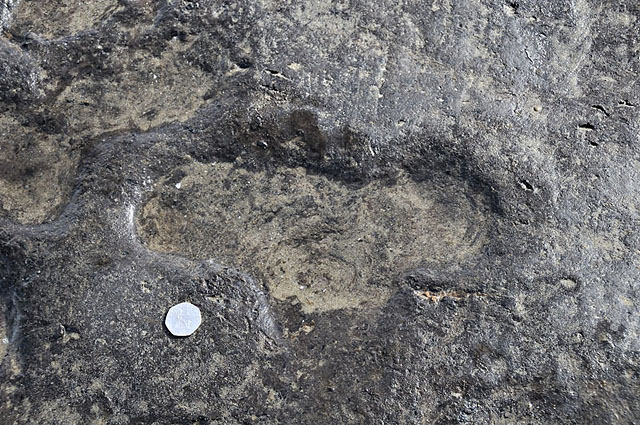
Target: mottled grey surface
{"points": [[388, 212]]}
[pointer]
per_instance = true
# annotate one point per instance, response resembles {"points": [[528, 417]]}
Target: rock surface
{"points": [[388, 212]]}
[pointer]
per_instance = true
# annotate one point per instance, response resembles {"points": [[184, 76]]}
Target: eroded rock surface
{"points": [[399, 212]]}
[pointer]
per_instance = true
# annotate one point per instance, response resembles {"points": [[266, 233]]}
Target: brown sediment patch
{"points": [[36, 172], [57, 18], [147, 92], [326, 243]]}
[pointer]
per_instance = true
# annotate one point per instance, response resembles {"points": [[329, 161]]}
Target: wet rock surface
{"points": [[387, 212]]}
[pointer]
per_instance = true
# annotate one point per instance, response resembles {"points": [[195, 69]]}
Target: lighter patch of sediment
{"points": [[36, 172], [329, 245], [51, 19]]}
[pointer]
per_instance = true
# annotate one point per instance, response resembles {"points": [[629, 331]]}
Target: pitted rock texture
{"points": [[388, 212]]}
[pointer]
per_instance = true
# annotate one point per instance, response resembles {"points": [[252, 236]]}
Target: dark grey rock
{"points": [[19, 81], [5, 12], [388, 212]]}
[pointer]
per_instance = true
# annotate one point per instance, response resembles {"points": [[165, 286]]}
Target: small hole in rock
{"points": [[586, 126]]}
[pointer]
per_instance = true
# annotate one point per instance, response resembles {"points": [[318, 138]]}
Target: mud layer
{"points": [[36, 171], [146, 93], [329, 245], [51, 19]]}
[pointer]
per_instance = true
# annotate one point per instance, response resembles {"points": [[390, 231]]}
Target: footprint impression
{"points": [[328, 244]]}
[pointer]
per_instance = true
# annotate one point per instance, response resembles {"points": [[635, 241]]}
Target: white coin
{"points": [[183, 319]]}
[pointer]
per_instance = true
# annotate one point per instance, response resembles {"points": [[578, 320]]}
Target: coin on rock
{"points": [[183, 319]]}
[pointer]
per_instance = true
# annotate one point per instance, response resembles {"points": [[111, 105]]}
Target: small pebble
{"points": [[183, 319]]}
